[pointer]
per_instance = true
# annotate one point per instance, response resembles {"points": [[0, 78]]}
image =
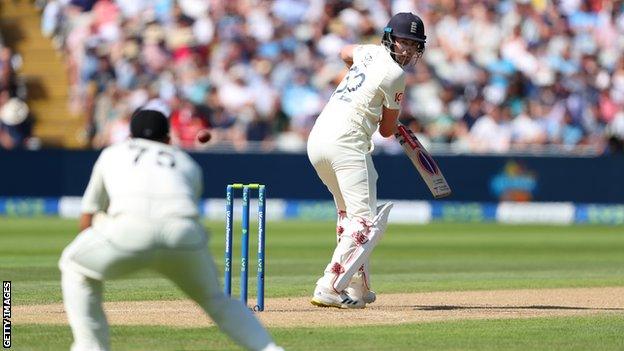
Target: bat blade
{"points": [[424, 163]]}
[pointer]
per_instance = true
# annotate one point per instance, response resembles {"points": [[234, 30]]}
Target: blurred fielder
{"points": [[340, 146], [149, 191]]}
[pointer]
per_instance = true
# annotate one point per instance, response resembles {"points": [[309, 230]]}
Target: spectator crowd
{"points": [[15, 117], [496, 75]]}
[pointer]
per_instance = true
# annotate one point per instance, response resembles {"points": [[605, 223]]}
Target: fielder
{"points": [[340, 146], [149, 191]]}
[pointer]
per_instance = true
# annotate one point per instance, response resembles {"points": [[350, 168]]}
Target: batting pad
{"points": [[359, 246]]}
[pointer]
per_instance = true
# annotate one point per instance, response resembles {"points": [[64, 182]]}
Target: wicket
{"points": [[229, 218]]}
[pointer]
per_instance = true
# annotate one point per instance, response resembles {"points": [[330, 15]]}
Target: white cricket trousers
{"points": [[177, 248], [339, 150]]}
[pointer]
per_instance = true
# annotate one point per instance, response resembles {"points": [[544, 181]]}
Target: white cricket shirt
{"points": [[374, 80], [146, 179]]}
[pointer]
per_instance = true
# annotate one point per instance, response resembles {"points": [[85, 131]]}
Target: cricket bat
{"points": [[424, 163]]}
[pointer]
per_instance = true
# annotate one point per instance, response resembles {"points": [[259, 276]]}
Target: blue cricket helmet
{"points": [[405, 25]]}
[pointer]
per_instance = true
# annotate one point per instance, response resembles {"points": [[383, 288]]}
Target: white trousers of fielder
{"points": [[175, 248]]}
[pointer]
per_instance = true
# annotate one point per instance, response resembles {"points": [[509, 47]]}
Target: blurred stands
{"points": [[43, 75], [497, 76], [15, 119]]}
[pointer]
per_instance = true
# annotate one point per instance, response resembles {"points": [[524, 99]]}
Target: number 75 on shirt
{"points": [[424, 163]]}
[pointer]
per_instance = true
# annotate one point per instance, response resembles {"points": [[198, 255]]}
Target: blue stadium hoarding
{"points": [[482, 179]]}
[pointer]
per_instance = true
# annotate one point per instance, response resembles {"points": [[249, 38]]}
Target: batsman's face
{"points": [[408, 51]]}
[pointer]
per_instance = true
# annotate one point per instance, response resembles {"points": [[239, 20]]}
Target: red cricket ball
{"points": [[203, 136]]}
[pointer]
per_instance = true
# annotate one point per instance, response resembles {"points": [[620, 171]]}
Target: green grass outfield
{"points": [[437, 257]]}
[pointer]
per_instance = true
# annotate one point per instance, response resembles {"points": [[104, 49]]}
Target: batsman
{"points": [[340, 146]]}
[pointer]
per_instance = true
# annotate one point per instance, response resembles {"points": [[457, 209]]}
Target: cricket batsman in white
{"points": [[140, 211], [340, 146]]}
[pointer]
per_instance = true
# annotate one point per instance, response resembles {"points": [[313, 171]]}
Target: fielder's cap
{"points": [[149, 124], [407, 25]]}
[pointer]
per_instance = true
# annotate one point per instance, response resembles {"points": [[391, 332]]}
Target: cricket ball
{"points": [[203, 136]]}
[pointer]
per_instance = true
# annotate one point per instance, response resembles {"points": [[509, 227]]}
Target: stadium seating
{"points": [[44, 74]]}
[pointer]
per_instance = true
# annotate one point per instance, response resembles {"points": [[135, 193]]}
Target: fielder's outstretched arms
{"points": [[140, 211], [340, 146]]}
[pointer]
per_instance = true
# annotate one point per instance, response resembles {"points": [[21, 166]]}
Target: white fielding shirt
{"points": [[374, 80], [146, 179]]}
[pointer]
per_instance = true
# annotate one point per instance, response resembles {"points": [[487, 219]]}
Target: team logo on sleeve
{"points": [[398, 97]]}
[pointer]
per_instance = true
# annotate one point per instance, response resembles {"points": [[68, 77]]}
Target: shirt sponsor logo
{"points": [[398, 97]]}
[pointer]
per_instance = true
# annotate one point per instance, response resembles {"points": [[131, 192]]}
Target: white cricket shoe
{"points": [[329, 298], [369, 297]]}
